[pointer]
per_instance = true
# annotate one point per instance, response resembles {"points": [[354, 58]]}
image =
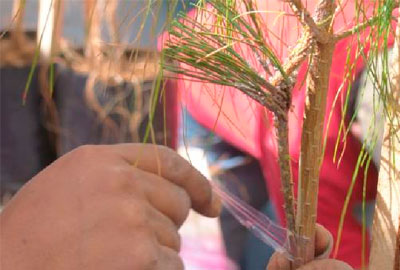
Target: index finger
{"points": [[168, 164]]}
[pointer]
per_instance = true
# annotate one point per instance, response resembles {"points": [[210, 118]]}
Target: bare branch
{"points": [[296, 58], [359, 27], [306, 20]]}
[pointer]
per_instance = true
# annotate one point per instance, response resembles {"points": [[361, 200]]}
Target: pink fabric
{"points": [[248, 126]]}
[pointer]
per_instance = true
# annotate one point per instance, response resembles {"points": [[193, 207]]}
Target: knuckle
{"points": [[175, 166], [169, 158], [112, 179], [123, 178], [135, 179], [98, 167]]}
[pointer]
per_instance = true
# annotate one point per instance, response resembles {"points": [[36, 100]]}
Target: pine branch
{"points": [[206, 52], [365, 24], [209, 55]]}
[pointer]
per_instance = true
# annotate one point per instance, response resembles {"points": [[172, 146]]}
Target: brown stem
{"points": [[281, 124], [312, 136]]}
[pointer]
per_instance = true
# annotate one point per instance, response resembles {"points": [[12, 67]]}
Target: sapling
{"points": [[211, 53]]}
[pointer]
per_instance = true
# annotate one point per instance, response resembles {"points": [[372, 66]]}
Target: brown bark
{"points": [[285, 168], [312, 136]]}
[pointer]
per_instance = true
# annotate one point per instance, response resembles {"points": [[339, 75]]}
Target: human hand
{"points": [[104, 207], [323, 247]]}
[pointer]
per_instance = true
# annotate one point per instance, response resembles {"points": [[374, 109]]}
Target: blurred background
{"points": [[131, 16]]}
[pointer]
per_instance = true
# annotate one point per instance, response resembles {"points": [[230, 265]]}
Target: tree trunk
{"points": [[312, 137]]}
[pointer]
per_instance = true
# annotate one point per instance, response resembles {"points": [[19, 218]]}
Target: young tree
{"points": [[212, 51]]}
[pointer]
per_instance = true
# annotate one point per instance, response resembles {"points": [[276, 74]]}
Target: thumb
{"points": [[323, 242]]}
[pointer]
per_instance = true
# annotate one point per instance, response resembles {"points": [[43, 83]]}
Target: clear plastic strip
{"points": [[259, 224]]}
